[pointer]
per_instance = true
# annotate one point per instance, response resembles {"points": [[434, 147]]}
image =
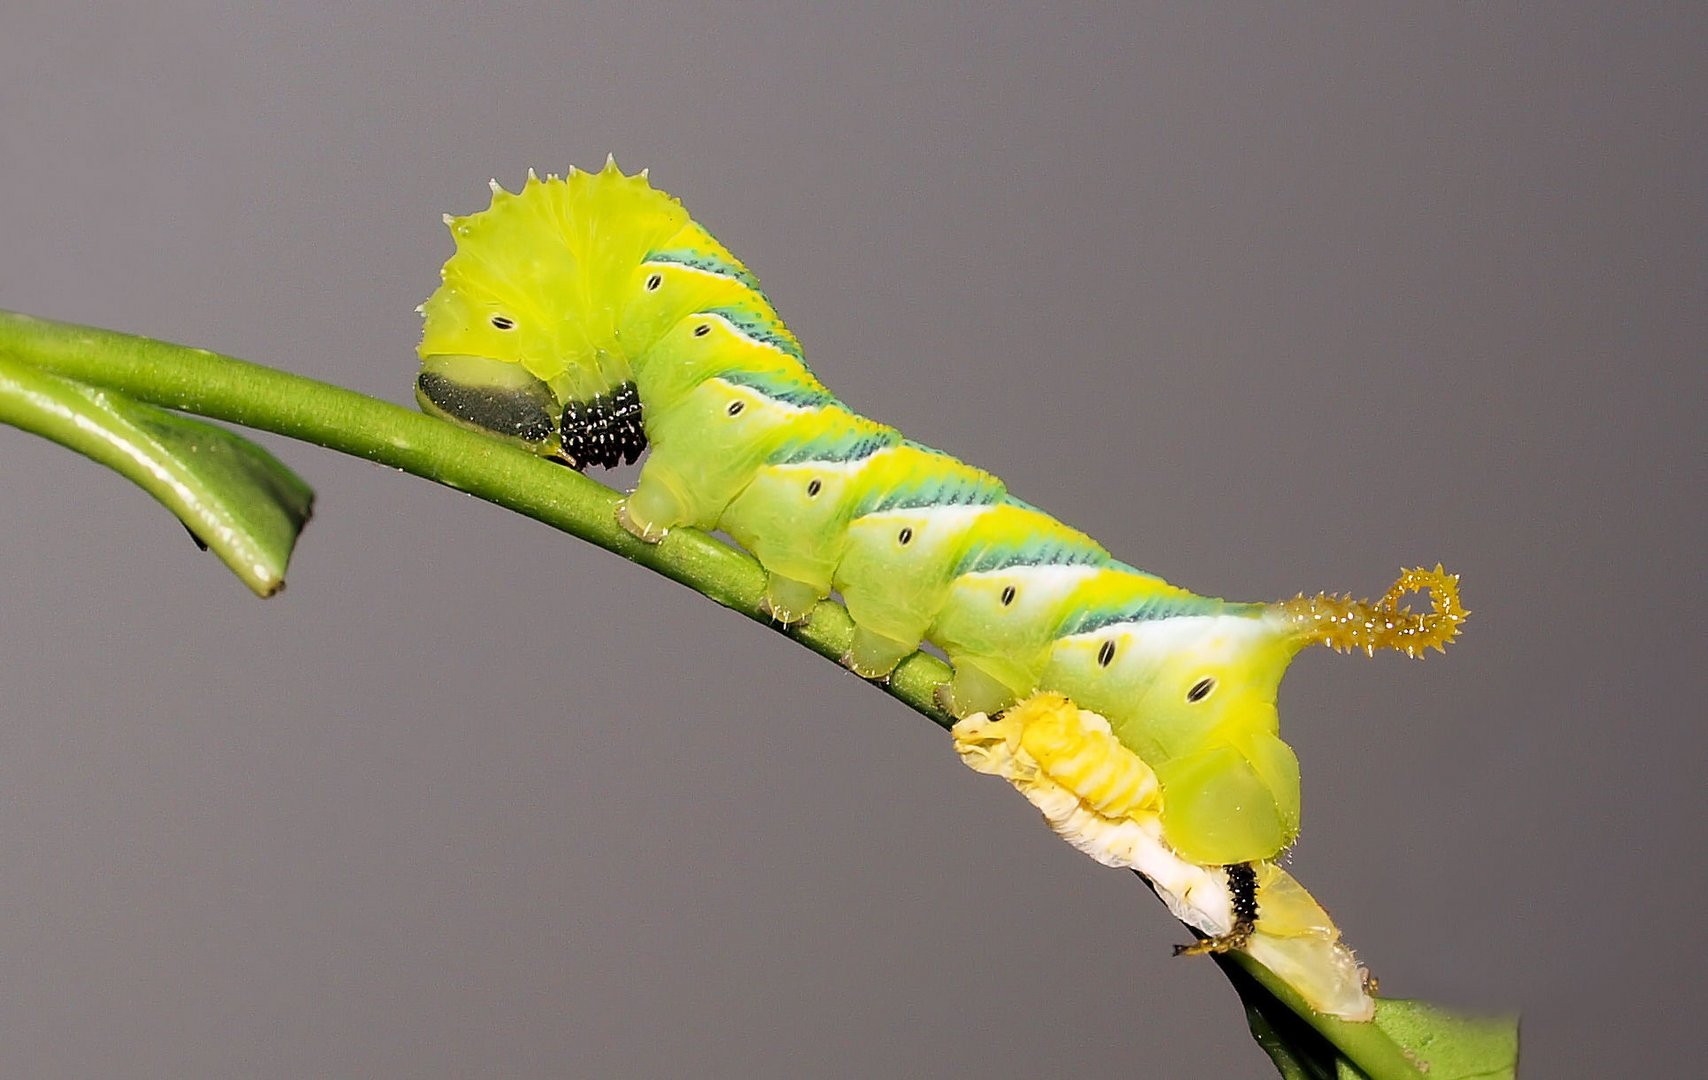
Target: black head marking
{"points": [[604, 430], [1106, 654], [1200, 690], [503, 322], [1008, 596]]}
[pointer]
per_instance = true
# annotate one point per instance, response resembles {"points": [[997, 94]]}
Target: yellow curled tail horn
{"points": [[1344, 624]]}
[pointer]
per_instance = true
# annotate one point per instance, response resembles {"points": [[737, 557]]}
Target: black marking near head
{"points": [[517, 412], [1200, 690], [702, 330], [1242, 892], [735, 408], [653, 282], [813, 488], [1007, 595], [1242, 898], [1106, 654], [606, 430], [503, 322], [905, 537]]}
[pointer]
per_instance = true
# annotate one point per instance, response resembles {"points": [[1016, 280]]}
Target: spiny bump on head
{"points": [[1343, 623]]}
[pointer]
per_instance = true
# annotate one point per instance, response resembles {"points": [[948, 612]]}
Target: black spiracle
{"points": [[605, 430]]}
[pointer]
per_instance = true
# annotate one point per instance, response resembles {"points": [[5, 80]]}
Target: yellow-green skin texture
{"points": [[581, 284]]}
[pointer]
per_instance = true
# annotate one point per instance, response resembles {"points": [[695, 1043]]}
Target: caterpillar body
{"points": [[588, 317]]}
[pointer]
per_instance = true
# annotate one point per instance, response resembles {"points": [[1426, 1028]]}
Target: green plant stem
{"points": [[1364, 1044], [225, 388]]}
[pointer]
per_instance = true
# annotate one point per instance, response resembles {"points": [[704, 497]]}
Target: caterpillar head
{"points": [[520, 340]]}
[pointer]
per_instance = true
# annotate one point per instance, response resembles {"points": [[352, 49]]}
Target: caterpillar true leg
{"points": [[644, 533], [655, 506]]}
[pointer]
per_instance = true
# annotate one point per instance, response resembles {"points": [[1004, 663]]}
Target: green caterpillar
{"points": [[588, 316]]}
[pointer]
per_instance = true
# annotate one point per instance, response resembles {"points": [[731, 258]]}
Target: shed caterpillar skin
{"points": [[588, 316], [1103, 799]]}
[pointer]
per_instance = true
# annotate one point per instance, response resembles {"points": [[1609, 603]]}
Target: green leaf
{"points": [[236, 499], [1451, 1047]]}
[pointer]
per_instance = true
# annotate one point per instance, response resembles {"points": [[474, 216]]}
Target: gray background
{"points": [[1264, 301]]}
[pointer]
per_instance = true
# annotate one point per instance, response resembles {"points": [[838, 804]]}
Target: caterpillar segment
{"points": [[794, 515], [578, 287]]}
